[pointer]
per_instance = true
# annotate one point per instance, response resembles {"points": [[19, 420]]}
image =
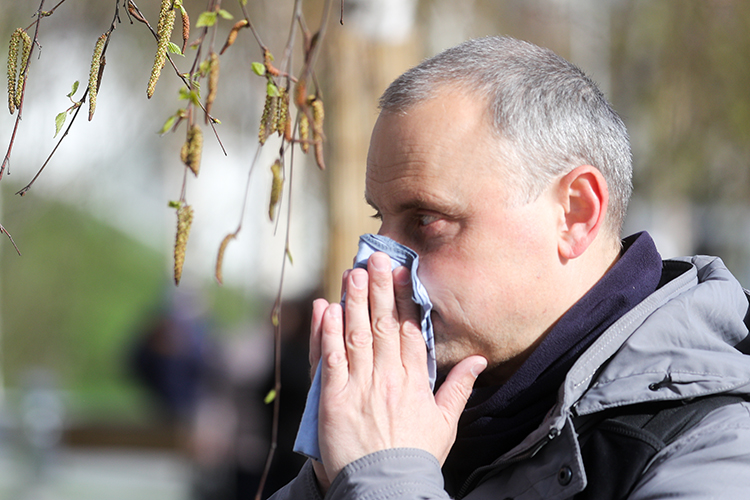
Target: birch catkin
{"points": [[269, 118], [276, 184], [318, 116], [213, 81], [164, 32], [304, 132], [15, 39], [184, 221], [96, 61], [192, 150], [233, 34], [282, 113], [220, 257], [25, 53], [185, 28]]}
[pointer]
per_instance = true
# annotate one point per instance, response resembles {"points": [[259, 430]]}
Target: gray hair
{"points": [[550, 114]]}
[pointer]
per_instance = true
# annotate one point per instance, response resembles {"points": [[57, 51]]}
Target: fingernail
{"points": [[478, 368], [402, 276], [380, 262], [359, 279]]}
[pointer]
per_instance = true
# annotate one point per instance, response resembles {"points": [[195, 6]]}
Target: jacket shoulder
{"points": [[711, 460]]}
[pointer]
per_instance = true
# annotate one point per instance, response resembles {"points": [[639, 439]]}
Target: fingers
{"points": [[316, 324], [455, 391], [413, 350], [382, 330], [358, 333], [333, 355], [383, 312]]}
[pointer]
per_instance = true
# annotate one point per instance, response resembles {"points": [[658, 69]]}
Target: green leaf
{"points": [[243, 2], [225, 14], [204, 66], [270, 396], [174, 204], [193, 96], [60, 121], [73, 89], [272, 90], [206, 19], [168, 124], [173, 48], [259, 68]]}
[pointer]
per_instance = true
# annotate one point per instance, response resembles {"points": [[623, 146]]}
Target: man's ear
{"points": [[584, 197]]}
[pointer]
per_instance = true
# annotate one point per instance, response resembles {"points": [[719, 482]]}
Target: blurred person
{"points": [[571, 363], [173, 357]]}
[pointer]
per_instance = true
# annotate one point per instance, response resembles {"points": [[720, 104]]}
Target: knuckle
{"points": [[385, 324], [360, 337], [335, 359]]}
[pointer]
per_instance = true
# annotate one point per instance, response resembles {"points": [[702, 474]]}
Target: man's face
{"points": [[434, 179]]}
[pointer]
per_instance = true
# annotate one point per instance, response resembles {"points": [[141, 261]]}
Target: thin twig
{"points": [[79, 104], [252, 28], [276, 314], [182, 77], [6, 233], [6, 160]]}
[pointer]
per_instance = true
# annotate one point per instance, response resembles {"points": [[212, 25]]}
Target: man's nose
{"points": [[394, 234]]}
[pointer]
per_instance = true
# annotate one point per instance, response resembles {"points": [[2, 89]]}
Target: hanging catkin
{"points": [[15, 39], [184, 221], [25, 53], [96, 61], [192, 150], [163, 33]]}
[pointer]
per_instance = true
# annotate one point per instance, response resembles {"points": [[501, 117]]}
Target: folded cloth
{"points": [[307, 436]]}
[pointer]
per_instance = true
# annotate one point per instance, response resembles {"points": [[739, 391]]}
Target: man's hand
{"points": [[375, 392]]}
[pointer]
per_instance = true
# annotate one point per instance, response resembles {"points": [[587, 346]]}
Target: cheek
{"points": [[453, 285]]}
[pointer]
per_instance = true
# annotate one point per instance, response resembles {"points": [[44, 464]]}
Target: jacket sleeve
{"points": [[711, 460], [395, 474], [302, 487]]}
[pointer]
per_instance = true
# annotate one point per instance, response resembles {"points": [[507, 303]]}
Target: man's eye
{"points": [[426, 219], [377, 215]]}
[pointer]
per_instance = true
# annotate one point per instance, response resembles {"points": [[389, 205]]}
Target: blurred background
{"points": [[115, 384]]}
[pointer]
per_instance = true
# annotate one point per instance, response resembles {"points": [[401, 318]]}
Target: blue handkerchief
{"points": [[307, 436]]}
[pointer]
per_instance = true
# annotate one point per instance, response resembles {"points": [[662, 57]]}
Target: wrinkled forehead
{"points": [[447, 138]]}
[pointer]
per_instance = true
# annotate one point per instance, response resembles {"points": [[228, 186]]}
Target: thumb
{"points": [[455, 391]]}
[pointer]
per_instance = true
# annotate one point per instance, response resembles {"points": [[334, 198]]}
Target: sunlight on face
{"points": [[437, 187]]}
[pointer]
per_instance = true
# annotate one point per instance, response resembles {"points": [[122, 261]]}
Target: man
{"points": [[506, 170]]}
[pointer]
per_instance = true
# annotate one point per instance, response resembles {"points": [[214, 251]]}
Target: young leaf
{"points": [[272, 90], [206, 19], [168, 124], [73, 89], [60, 121], [173, 48], [225, 14], [204, 66], [259, 69], [243, 2], [270, 396]]}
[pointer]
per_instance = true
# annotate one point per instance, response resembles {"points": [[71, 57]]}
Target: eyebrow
{"points": [[414, 204]]}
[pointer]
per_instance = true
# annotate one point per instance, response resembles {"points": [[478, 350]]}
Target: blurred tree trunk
{"points": [[357, 68]]}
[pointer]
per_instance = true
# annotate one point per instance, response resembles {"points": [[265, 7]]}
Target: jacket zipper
{"points": [[474, 476]]}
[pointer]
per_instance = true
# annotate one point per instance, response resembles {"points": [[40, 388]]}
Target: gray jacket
{"points": [[679, 343]]}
